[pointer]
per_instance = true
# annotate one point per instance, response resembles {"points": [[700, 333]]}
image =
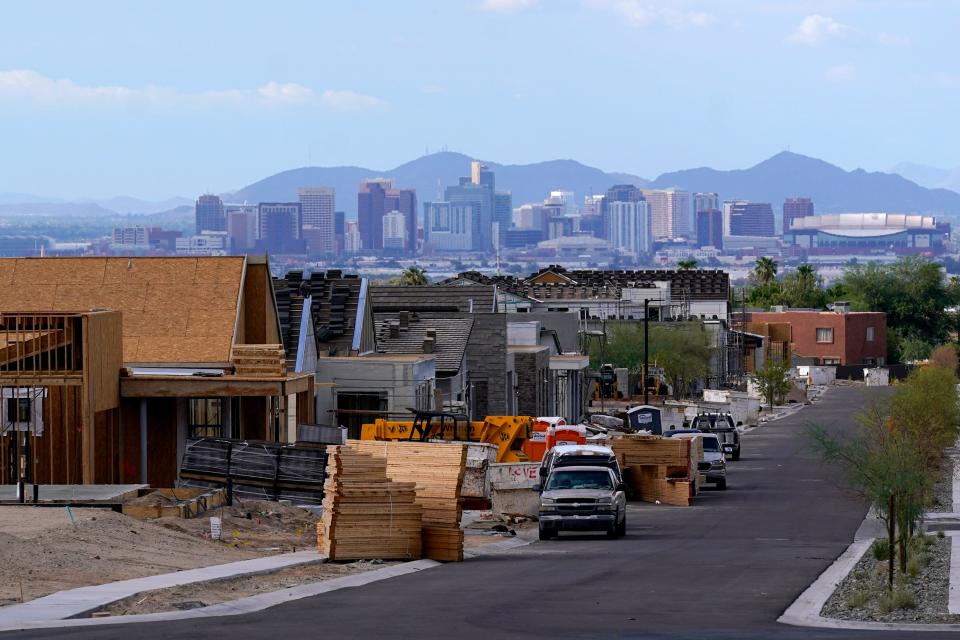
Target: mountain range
{"points": [[927, 176], [785, 175]]}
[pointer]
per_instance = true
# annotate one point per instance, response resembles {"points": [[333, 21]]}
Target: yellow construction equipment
{"points": [[508, 433]]}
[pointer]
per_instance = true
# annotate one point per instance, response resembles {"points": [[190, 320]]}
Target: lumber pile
{"points": [[365, 514], [259, 360], [437, 471], [660, 469]]}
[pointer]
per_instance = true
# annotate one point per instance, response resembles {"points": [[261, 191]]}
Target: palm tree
{"points": [[411, 277], [765, 270], [806, 271], [690, 263]]}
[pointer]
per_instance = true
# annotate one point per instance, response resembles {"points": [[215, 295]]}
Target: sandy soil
{"points": [[41, 551], [208, 593]]}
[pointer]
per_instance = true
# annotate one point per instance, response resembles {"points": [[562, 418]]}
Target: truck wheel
{"points": [[545, 532], [722, 484], [622, 527]]}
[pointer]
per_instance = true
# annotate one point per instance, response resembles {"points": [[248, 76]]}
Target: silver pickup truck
{"points": [[583, 499]]}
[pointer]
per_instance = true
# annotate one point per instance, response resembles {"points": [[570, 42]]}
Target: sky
{"points": [[176, 98]]}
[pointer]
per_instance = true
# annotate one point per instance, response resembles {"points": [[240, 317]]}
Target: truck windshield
{"points": [[599, 479], [711, 444]]}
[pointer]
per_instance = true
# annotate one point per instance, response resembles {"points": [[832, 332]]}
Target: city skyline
{"points": [[96, 124]]}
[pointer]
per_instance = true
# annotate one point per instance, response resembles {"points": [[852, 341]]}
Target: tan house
{"points": [[124, 359]]}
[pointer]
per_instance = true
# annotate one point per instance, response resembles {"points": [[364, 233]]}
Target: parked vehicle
{"points": [[722, 425], [714, 465], [583, 499], [580, 455]]}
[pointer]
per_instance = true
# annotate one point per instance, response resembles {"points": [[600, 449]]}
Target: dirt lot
{"points": [[41, 551], [208, 593]]}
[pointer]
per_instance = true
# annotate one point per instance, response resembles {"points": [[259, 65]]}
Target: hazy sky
{"points": [[175, 98]]}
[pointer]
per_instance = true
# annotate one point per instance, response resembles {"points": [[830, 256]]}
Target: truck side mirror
{"points": [[621, 487]]}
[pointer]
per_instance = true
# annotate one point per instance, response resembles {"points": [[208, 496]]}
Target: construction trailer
{"points": [[111, 364]]}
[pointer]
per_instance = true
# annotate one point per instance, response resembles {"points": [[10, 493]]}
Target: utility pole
{"points": [[646, 349]]}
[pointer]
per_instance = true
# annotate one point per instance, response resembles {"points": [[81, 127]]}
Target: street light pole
{"points": [[646, 349]]}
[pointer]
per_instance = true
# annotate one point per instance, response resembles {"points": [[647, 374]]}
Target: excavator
{"points": [[508, 433]]}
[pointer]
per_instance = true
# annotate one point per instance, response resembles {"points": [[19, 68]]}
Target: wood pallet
{"points": [[661, 469], [259, 360], [365, 514], [437, 471]]}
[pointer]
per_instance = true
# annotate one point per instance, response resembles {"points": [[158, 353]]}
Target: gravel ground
{"points": [[930, 590], [943, 490]]}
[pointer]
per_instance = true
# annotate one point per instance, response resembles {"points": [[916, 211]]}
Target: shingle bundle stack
{"points": [[437, 470], [365, 514]]}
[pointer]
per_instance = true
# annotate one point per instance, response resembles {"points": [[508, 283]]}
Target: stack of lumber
{"points": [[437, 471], [660, 469], [365, 514], [259, 360]]}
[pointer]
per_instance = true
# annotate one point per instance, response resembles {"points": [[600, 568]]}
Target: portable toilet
{"points": [[566, 434], [536, 445], [645, 418]]}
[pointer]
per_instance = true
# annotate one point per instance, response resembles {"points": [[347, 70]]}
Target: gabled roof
{"points": [[175, 310], [452, 335]]}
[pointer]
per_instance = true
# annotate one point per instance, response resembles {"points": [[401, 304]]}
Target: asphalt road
{"points": [[725, 568]]}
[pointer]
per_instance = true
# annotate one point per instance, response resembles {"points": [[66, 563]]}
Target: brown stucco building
{"points": [[829, 337]]}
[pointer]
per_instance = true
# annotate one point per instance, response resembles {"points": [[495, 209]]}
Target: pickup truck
{"points": [[583, 499], [722, 426], [714, 465]]}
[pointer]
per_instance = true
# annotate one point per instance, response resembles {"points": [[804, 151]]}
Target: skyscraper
{"points": [[394, 231], [630, 227], [669, 212], [744, 218], [209, 214], [447, 227], [705, 202], [376, 198], [503, 209], [794, 208], [317, 205], [280, 225], [476, 191], [616, 193], [710, 228], [404, 201]]}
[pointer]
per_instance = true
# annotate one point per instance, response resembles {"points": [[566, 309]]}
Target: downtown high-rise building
{"points": [[629, 227], [318, 208], [669, 213], [745, 218], [394, 231], [280, 226], [710, 228], [478, 192], [794, 208], [705, 202], [376, 198], [209, 214], [447, 226], [616, 193]]}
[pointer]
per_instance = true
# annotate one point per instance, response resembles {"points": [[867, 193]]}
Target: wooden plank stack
{"points": [[660, 469], [437, 470], [259, 360], [365, 514]]}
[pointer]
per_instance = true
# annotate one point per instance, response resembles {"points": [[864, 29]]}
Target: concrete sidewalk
{"points": [[77, 602]]}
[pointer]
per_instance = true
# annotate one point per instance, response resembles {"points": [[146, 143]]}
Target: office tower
{"points": [[447, 226], [710, 228], [617, 193], [591, 216], [280, 226], [339, 229], [404, 201], [375, 199], [629, 227], [744, 218], [794, 208], [503, 209], [317, 208], [563, 198], [242, 228], [394, 231], [135, 235], [209, 214], [351, 237], [705, 202], [669, 212], [476, 191]]}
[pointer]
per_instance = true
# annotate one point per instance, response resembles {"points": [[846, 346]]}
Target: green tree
{"points": [[690, 263], [411, 277], [803, 288], [765, 270], [772, 380]]}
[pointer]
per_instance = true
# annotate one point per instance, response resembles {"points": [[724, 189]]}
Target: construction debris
{"points": [[437, 470], [184, 502], [660, 469], [365, 514]]}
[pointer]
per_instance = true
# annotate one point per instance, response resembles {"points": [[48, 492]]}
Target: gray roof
{"points": [[452, 335], [434, 297]]}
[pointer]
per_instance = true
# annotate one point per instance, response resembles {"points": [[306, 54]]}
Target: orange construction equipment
{"points": [[536, 446], [566, 434], [508, 433]]}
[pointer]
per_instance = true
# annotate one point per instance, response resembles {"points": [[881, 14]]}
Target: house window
{"points": [[870, 334], [206, 418], [830, 362], [824, 335], [19, 409]]}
